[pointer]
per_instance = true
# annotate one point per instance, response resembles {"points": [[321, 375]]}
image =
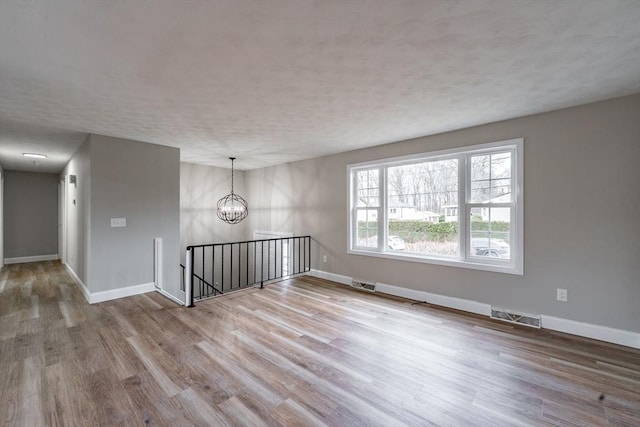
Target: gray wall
{"points": [[30, 222], [119, 178], [1, 216], [77, 209], [200, 189], [139, 182], [582, 215]]}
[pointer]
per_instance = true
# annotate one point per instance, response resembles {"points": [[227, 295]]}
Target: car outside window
{"points": [[460, 207]]}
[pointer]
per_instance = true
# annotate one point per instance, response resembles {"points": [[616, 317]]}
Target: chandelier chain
{"points": [[232, 159]]}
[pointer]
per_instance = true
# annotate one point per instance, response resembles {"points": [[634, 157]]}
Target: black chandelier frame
{"points": [[232, 208]]}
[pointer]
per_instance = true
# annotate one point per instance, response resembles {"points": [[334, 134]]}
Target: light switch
{"points": [[118, 222]]}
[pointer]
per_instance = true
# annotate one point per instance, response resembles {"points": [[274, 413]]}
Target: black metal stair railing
{"points": [[200, 285], [217, 268]]}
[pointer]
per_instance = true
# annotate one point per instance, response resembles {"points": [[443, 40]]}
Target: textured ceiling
{"points": [[275, 81]]}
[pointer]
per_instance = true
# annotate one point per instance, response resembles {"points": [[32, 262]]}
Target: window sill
{"points": [[495, 268]]}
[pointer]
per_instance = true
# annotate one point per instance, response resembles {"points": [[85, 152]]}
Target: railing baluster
{"points": [[202, 274], [222, 276], [281, 259], [295, 255], [309, 244], [262, 264], [269, 260]]}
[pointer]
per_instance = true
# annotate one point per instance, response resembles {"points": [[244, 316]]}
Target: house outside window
{"points": [[461, 207]]}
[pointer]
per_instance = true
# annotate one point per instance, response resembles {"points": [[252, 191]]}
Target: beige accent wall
{"points": [[582, 215], [200, 189]]}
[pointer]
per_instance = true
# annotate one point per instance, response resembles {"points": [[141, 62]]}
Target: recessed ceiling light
{"points": [[35, 155]]}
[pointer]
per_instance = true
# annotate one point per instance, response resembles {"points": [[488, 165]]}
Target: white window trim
{"points": [[514, 266]]}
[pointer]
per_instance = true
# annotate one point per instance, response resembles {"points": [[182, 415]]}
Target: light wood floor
{"points": [[301, 352]]}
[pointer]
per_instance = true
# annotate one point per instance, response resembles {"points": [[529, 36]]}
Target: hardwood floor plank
{"points": [[62, 403], [115, 408], [154, 361], [3, 279], [57, 346], [9, 386], [31, 412], [292, 413], [616, 417], [238, 414], [562, 415], [125, 325], [8, 323], [72, 315], [151, 406], [122, 359], [200, 411], [319, 381], [242, 375], [301, 352]]}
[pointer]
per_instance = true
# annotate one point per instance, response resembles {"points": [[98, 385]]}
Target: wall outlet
{"points": [[118, 222], [561, 295], [324, 258]]}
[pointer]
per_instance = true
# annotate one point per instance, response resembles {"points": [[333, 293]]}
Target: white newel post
{"points": [[188, 279]]}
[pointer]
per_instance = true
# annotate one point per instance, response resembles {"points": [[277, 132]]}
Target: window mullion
{"points": [[463, 196], [354, 210], [382, 210], [492, 205]]}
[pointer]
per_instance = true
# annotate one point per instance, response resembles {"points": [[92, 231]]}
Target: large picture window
{"points": [[460, 207]]}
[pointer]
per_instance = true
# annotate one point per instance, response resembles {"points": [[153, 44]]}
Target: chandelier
{"points": [[232, 208]]}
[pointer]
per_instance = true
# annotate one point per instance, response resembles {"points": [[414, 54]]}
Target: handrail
{"points": [[247, 241], [215, 290], [209, 285], [224, 267]]}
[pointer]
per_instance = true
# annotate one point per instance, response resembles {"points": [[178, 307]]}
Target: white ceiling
{"points": [[276, 81]]}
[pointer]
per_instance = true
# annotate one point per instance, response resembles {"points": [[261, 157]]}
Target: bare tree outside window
{"points": [[421, 192], [460, 206]]}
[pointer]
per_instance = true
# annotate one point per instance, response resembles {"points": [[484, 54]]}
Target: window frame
{"points": [[464, 259]]}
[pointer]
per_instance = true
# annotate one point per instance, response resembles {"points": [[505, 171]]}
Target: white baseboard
{"points": [[96, 297], [121, 292], [338, 278], [23, 259], [588, 330], [442, 300], [437, 299], [79, 283], [171, 297]]}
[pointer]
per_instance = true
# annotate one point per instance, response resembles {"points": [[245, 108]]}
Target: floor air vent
{"points": [[513, 317], [363, 284]]}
